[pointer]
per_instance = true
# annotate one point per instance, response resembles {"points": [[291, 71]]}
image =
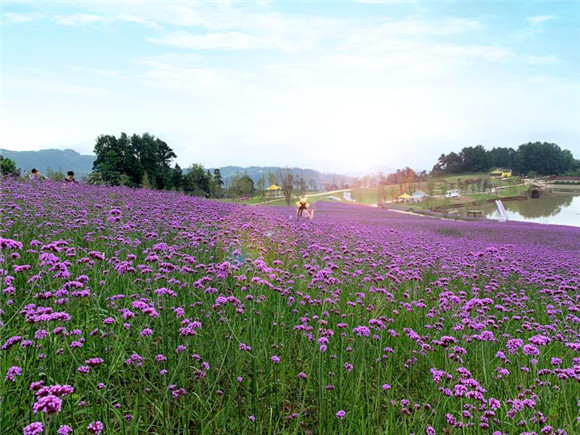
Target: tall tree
{"points": [[502, 157], [177, 177], [242, 186], [131, 158], [272, 178], [451, 163], [155, 157], [475, 159], [543, 158], [302, 185], [109, 162], [261, 188], [218, 184], [286, 178], [196, 181]]}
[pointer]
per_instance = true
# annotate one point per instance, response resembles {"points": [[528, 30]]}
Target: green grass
{"points": [[463, 177]]}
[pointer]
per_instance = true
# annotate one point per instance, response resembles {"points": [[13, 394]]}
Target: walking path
{"points": [[311, 195]]}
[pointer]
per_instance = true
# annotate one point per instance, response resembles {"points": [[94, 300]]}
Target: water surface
{"points": [[550, 208]]}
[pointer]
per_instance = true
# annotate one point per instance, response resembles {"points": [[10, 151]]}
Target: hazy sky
{"points": [[337, 86]]}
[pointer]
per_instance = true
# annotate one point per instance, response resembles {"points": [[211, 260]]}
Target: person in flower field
{"points": [[70, 178], [35, 175], [301, 206]]}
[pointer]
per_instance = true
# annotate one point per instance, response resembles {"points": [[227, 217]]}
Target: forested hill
{"points": [[65, 160], [532, 158]]}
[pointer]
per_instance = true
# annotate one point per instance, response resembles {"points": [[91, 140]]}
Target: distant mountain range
{"points": [[313, 178], [65, 160]]}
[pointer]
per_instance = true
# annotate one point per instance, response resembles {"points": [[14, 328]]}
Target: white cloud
{"points": [[79, 19], [385, 1], [216, 41], [539, 19], [539, 60], [19, 18], [412, 27], [137, 20], [95, 71], [42, 86], [480, 52]]}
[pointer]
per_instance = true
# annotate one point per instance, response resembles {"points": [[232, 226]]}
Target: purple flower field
{"points": [[136, 311]]}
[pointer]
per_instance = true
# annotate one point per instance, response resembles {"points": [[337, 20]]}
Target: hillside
{"points": [[52, 158]]}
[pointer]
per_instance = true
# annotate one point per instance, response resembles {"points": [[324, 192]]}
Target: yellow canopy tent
{"points": [[273, 191], [404, 197]]}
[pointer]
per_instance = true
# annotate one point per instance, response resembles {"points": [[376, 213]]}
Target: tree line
{"points": [[533, 158], [145, 161]]}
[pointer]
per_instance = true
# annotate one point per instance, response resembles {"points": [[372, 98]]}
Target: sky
{"points": [[338, 86]]}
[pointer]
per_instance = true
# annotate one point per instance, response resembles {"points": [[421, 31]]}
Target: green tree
{"points": [[242, 186], [502, 158], [155, 157], [451, 163], [475, 159], [177, 178], [8, 167], [116, 157], [55, 174], [144, 181], [431, 186], [125, 160], [543, 158], [107, 166], [218, 184], [196, 182], [96, 178]]}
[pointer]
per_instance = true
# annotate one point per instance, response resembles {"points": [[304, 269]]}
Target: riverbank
{"points": [[555, 188], [561, 208]]}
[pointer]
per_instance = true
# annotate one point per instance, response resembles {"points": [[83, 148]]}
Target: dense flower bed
{"points": [[134, 311]]}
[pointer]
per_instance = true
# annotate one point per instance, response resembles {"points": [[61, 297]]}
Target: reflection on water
{"points": [[550, 208]]}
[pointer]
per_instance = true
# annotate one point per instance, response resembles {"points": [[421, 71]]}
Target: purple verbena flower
{"points": [[12, 373], [33, 428], [64, 430], [48, 404], [95, 427]]}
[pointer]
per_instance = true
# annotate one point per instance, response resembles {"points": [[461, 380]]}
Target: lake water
{"points": [[550, 208]]}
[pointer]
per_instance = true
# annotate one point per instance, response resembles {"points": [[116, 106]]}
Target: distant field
{"points": [[389, 193]]}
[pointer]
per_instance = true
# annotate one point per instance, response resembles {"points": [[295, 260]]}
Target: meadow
{"points": [[136, 311]]}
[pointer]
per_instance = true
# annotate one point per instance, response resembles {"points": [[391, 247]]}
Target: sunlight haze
{"points": [[335, 86]]}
